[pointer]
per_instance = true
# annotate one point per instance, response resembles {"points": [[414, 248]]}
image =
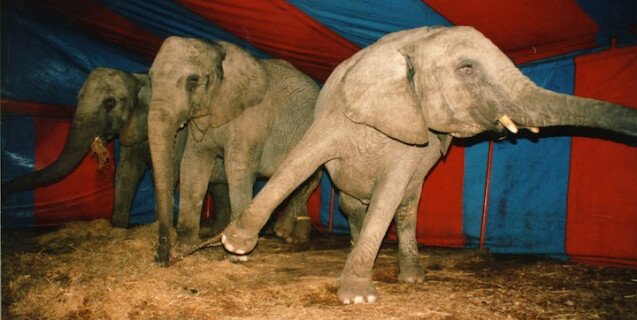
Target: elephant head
{"points": [[202, 83], [456, 81], [105, 103]]}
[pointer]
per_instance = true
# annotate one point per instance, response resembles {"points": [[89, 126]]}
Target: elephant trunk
{"points": [[541, 108], [161, 139], [77, 143]]}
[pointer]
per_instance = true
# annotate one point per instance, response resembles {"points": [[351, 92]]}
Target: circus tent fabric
{"points": [[552, 194]]}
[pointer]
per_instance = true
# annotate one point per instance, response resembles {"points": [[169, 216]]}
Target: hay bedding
{"points": [[88, 270]]}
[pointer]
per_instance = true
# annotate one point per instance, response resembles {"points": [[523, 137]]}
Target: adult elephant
{"points": [[384, 118], [113, 103], [248, 111]]}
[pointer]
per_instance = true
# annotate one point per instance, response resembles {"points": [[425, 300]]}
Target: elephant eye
{"points": [[191, 82], [109, 104], [466, 68]]}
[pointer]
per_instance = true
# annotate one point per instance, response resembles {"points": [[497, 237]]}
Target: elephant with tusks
{"points": [[385, 117]]}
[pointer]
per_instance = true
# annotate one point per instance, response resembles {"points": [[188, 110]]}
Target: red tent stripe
{"points": [[523, 29], [37, 109], [85, 194], [280, 29], [602, 207], [440, 208]]}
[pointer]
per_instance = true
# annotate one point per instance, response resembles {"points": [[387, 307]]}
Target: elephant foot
{"points": [[301, 232], [414, 274], [163, 252], [187, 237], [357, 290], [410, 270], [284, 226], [218, 227], [206, 232], [118, 222], [238, 241]]}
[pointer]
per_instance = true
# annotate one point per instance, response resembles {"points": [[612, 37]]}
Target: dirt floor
{"points": [[88, 270]]}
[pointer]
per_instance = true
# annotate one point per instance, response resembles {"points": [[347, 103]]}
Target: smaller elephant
{"points": [[107, 105], [244, 110], [385, 117], [114, 103]]}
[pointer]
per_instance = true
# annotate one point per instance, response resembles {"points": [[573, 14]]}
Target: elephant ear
{"points": [[135, 130], [243, 84], [379, 92]]}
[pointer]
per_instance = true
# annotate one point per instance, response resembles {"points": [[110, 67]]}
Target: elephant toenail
{"points": [[346, 301], [358, 299], [371, 299]]}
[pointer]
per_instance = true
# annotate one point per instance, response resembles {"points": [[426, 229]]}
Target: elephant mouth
{"points": [[125, 141], [100, 151], [506, 122]]}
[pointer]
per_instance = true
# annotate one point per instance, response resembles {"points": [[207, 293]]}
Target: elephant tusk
{"points": [[508, 123], [535, 130]]}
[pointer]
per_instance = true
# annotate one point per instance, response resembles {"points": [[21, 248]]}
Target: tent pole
{"points": [[329, 227], [485, 204]]}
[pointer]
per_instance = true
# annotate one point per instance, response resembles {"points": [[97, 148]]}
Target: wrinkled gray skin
{"points": [[114, 103], [248, 111], [384, 118]]}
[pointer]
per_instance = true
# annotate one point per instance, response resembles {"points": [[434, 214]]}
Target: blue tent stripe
{"points": [[475, 168], [44, 52], [166, 18], [364, 22], [529, 181], [18, 158], [613, 18]]}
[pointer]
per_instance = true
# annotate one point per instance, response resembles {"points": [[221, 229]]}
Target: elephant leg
{"points": [[294, 225], [355, 211], [304, 159], [406, 217], [196, 169], [130, 170], [241, 176], [222, 207], [356, 279]]}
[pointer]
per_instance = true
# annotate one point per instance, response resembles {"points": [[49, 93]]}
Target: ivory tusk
{"points": [[535, 130], [508, 123]]}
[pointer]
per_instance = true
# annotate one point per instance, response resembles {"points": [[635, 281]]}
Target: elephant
{"points": [[245, 110], [383, 119], [114, 103], [107, 105]]}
